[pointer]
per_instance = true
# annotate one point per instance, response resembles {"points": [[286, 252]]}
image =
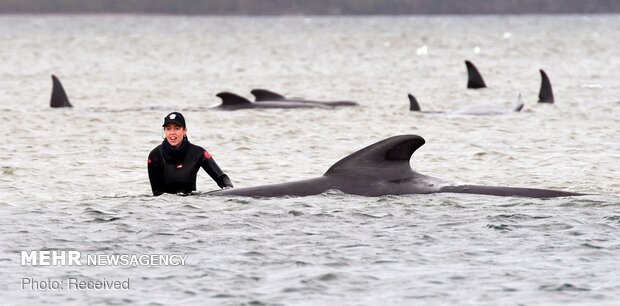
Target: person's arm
{"points": [[214, 171], [156, 176]]}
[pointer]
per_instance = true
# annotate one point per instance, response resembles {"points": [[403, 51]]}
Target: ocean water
{"points": [[75, 179]]}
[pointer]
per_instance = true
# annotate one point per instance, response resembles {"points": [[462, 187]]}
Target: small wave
{"points": [[240, 200], [516, 217], [191, 207], [383, 262], [6, 170], [590, 201], [164, 234], [428, 238], [253, 254], [563, 287], [158, 278], [327, 277], [92, 211], [223, 296], [104, 220], [291, 290], [300, 263], [296, 213], [357, 245], [500, 227], [591, 86], [615, 218], [117, 301], [126, 196], [591, 246], [107, 246], [255, 303], [159, 234], [367, 215], [323, 214]]}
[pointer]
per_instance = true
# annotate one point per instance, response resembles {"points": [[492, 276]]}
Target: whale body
{"points": [[382, 169], [264, 95], [268, 99], [231, 101]]}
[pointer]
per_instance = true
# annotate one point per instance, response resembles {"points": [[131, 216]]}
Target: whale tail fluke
{"points": [[266, 95], [414, 106], [59, 96], [545, 95], [474, 78], [518, 105]]}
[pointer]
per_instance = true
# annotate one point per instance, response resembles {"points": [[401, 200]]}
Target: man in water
{"points": [[174, 164]]}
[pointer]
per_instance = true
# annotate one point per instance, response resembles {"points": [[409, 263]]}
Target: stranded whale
{"points": [[59, 96], [382, 169], [263, 95], [268, 99], [231, 101]]}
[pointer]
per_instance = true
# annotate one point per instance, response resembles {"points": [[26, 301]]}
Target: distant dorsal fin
{"points": [[545, 95], [390, 155], [231, 99], [59, 96], [413, 104], [474, 78], [266, 95], [518, 105]]}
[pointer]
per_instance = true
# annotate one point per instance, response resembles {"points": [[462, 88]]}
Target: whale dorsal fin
{"points": [[413, 104], [390, 156], [59, 96], [474, 78], [231, 99], [266, 95], [545, 95]]}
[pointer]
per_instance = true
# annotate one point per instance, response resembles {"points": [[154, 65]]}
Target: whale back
{"points": [[382, 169], [59, 96]]}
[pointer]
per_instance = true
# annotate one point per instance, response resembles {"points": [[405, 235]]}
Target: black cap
{"points": [[176, 118]]}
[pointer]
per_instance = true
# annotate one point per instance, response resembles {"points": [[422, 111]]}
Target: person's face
{"points": [[174, 134]]}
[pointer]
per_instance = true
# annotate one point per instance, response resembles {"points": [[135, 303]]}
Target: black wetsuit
{"points": [[174, 171]]}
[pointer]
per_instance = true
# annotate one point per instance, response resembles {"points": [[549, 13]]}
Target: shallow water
{"points": [[75, 179]]}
